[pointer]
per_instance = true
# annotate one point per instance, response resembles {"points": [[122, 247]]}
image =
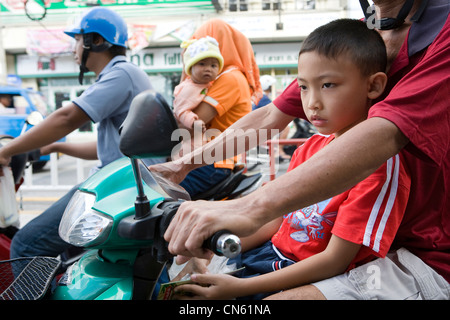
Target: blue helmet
{"points": [[105, 22]]}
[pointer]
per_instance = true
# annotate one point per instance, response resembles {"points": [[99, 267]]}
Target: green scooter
{"points": [[126, 251]]}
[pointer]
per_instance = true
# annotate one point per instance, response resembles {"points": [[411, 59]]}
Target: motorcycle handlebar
{"points": [[224, 243]]}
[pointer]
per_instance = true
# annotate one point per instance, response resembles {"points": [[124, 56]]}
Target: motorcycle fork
{"points": [[146, 273]]}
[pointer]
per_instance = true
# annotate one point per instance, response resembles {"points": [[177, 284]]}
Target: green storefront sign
{"points": [[13, 12], [15, 5]]}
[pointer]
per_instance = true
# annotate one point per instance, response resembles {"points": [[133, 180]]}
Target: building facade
{"points": [[275, 29]]}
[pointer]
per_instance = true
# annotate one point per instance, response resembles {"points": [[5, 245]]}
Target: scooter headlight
{"points": [[81, 225]]}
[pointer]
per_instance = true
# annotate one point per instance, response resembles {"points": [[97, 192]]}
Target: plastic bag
{"points": [[9, 212], [218, 264]]}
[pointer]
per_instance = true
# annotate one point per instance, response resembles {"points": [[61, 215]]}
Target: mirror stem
{"points": [[142, 204]]}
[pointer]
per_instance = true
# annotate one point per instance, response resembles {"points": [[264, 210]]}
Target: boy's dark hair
{"points": [[348, 36]]}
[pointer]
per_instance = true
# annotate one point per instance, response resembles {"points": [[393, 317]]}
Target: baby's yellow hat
{"points": [[200, 49]]}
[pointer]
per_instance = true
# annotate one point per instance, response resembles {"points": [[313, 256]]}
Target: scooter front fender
{"points": [[94, 278], [122, 290]]}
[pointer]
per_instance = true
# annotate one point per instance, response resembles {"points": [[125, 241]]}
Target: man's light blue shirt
{"points": [[107, 102]]}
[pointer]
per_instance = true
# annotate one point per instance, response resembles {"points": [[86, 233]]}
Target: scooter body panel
{"points": [[106, 271], [120, 291], [92, 277]]}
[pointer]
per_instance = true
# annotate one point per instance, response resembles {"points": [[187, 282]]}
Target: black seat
{"points": [[223, 189]]}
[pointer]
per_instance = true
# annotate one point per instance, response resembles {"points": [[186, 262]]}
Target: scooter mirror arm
{"points": [[142, 204]]}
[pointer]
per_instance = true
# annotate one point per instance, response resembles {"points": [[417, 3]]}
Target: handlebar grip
{"points": [[223, 243]]}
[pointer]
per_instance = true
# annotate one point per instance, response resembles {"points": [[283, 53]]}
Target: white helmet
{"points": [[266, 81]]}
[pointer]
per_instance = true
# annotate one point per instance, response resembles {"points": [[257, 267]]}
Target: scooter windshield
{"points": [[162, 185]]}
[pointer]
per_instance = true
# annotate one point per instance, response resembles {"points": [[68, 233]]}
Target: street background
{"points": [[33, 201]]}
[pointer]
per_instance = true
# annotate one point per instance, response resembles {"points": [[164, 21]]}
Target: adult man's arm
{"points": [[270, 120], [56, 126], [337, 167], [85, 150]]}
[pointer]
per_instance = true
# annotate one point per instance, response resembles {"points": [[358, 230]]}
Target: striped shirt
{"points": [[368, 214]]}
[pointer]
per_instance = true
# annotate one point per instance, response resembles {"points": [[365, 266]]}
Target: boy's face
{"points": [[333, 92], [205, 70]]}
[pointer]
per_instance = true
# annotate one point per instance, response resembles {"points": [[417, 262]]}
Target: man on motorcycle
{"points": [[412, 118], [101, 48]]}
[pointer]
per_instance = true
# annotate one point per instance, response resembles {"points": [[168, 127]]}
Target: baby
{"points": [[202, 62]]}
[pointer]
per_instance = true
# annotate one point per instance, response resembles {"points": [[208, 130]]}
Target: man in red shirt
{"points": [[417, 102], [413, 116]]}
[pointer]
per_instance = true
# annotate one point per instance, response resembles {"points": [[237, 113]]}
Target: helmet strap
{"points": [[83, 68], [88, 46], [388, 23]]}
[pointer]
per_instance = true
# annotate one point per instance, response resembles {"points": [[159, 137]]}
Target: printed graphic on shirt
{"points": [[310, 222]]}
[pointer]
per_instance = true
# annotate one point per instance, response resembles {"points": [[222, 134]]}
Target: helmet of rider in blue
{"points": [[107, 23], [102, 21]]}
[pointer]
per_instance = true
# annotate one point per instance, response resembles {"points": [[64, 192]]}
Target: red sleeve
{"points": [[419, 103], [289, 101], [374, 208]]}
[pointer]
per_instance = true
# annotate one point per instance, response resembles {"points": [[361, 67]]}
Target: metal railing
{"points": [[55, 183], [273, 145]]}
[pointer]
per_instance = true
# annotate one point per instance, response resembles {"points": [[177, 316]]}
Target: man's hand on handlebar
{"points": [[197, 221]]}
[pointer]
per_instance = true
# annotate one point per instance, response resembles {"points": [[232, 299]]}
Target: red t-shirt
{"points": [[417, 101], [368, 214]]}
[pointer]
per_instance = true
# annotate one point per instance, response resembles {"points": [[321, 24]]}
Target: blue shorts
{"points": [[258, 261], [203, 179]]}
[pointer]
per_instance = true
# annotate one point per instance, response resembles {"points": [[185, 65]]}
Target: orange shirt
{"points": [[238, 84], [230, 96]]}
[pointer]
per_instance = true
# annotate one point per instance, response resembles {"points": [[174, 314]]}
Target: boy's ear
{"points": [[377, 83]]}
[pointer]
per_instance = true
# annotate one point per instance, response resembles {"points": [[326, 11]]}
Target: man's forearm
{"points": [[53, 128], [87, 151], [239, 137], [331, 171]]}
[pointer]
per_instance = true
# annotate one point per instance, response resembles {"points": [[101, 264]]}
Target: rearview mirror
{"points": [[34, 118], [147, 129]]}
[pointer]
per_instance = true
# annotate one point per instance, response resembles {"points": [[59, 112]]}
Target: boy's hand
{"points": [[210, 287]]}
